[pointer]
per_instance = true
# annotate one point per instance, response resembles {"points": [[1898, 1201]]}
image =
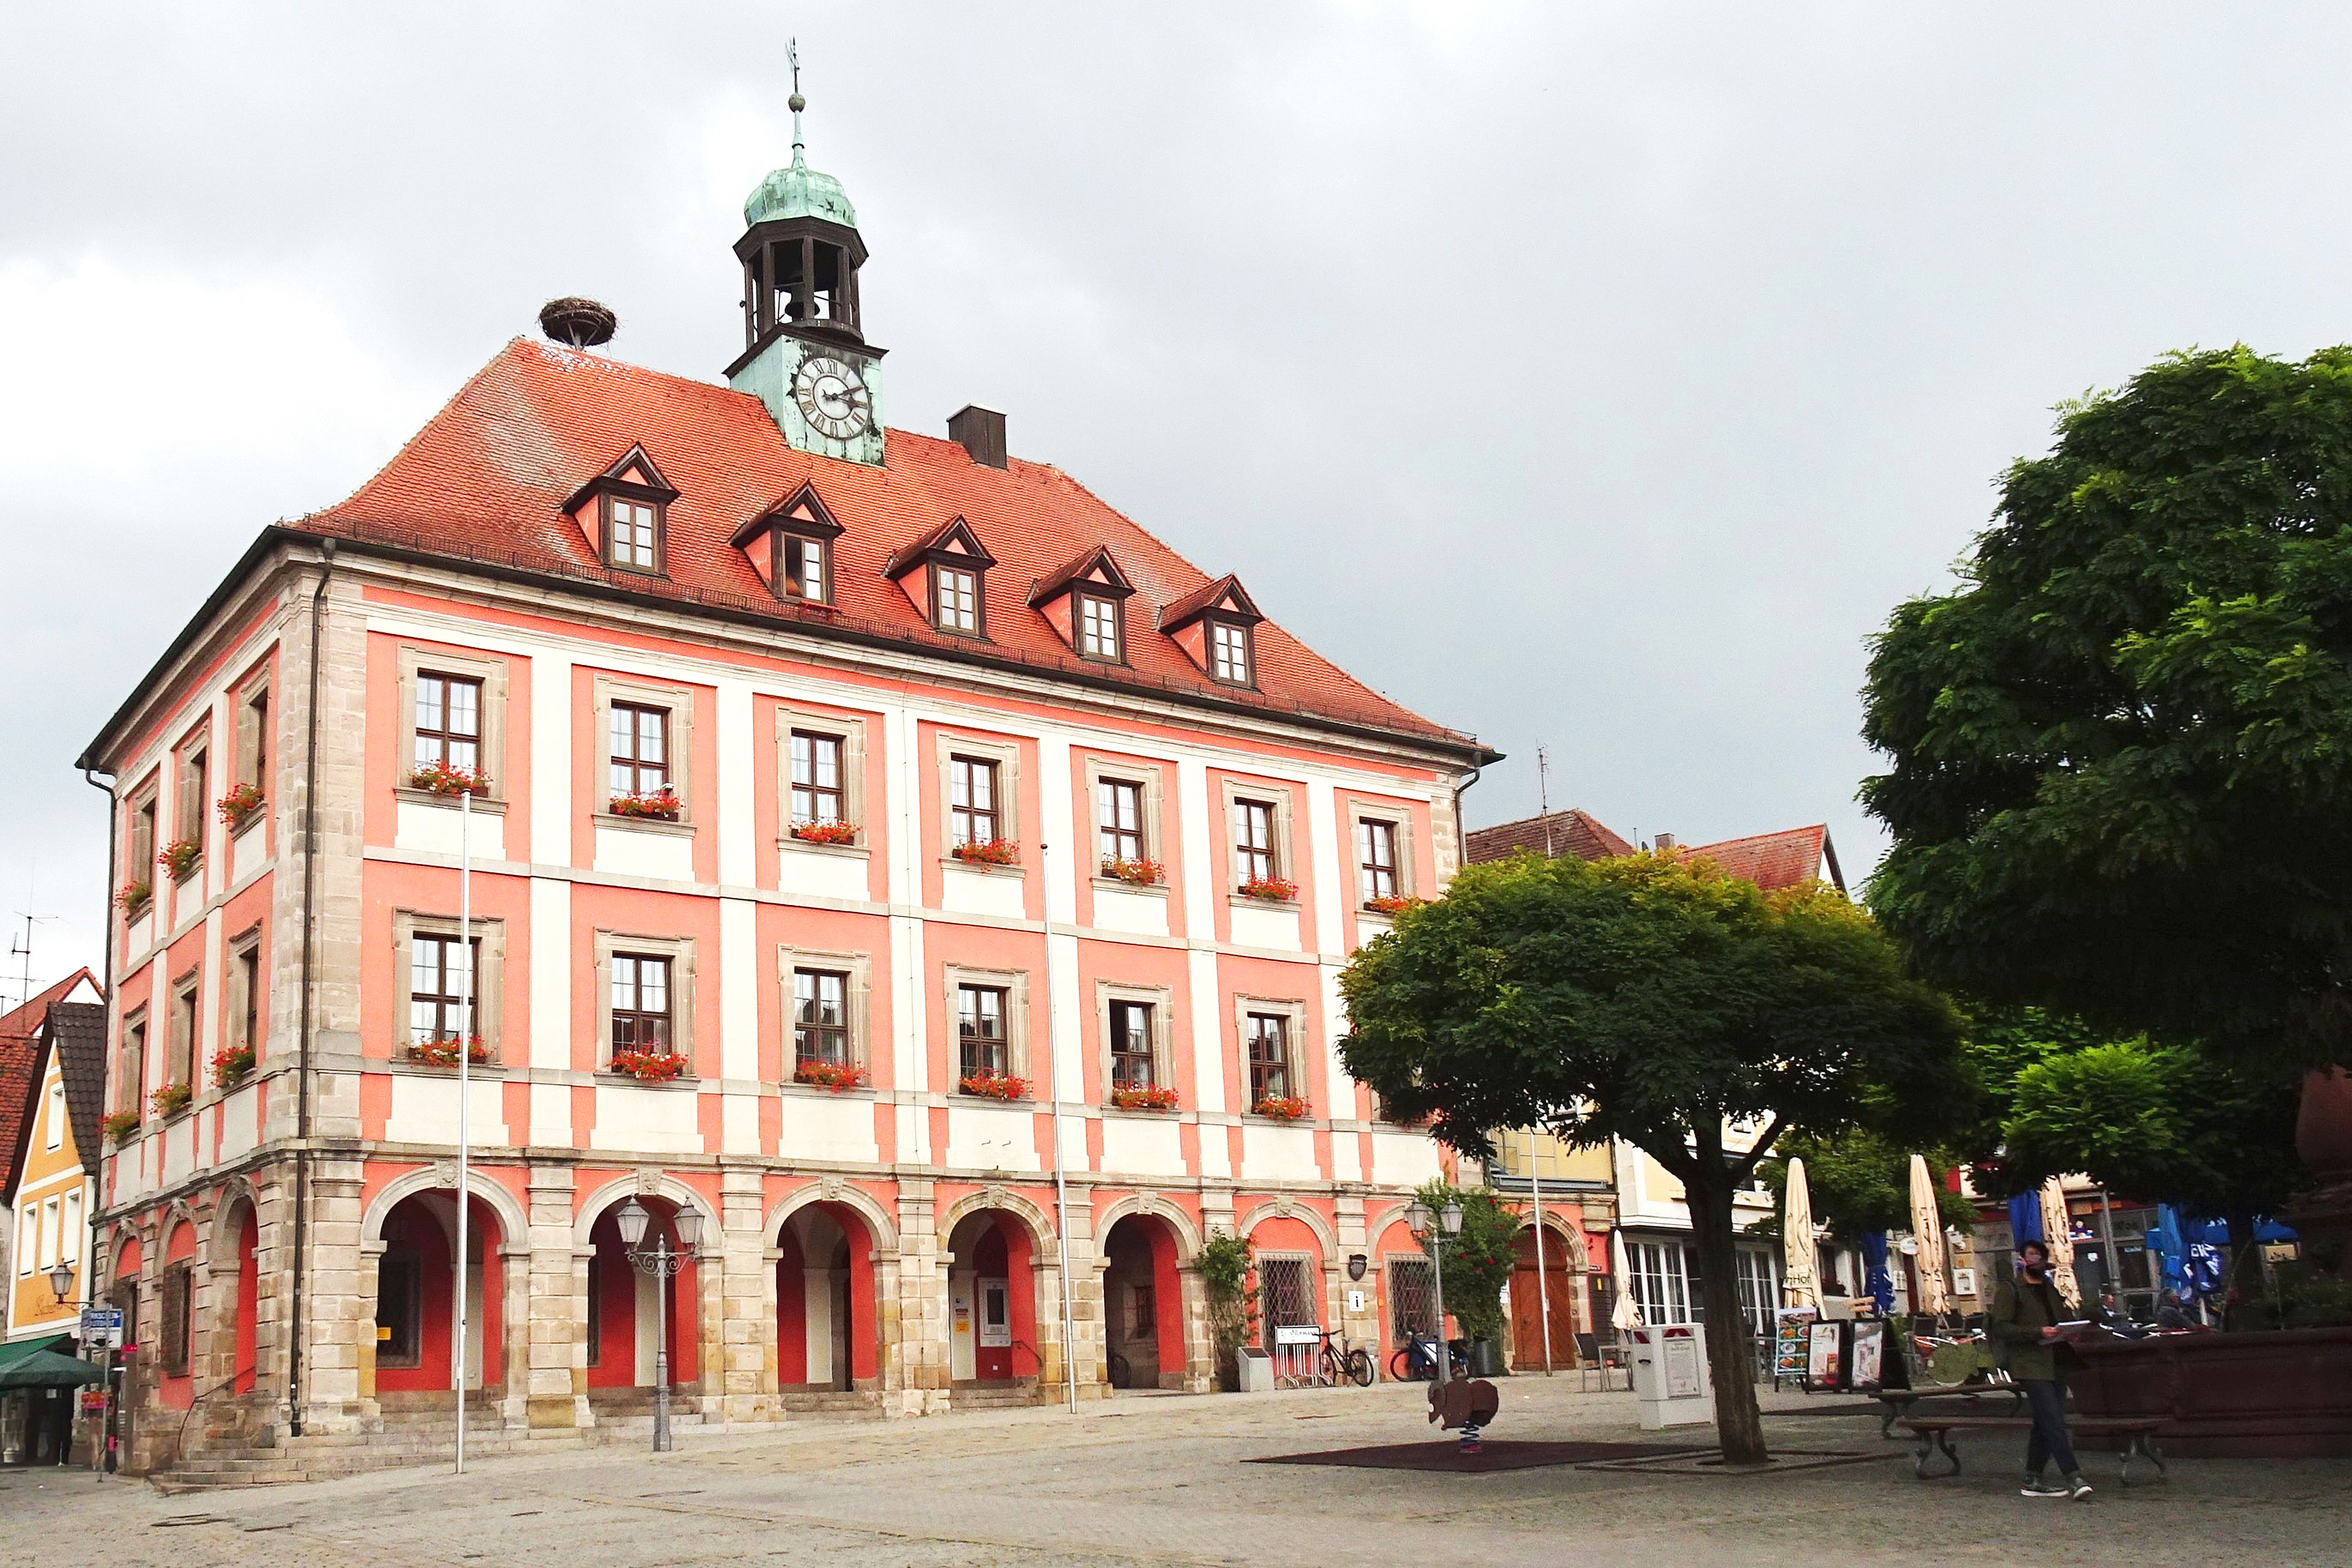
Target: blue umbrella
{"points": [[1875, 1278], [2025, 1218]]}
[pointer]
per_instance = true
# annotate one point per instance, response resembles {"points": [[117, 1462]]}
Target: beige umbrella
{"points": [[2059, 1234], [1798, 1285], [1927, 1232], [1627, 1312]]}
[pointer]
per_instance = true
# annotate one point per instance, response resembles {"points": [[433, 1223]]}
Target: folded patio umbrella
{"points": [[2059, 1235], [1627, 1312], [1798, 1285], [1928, 1231]]}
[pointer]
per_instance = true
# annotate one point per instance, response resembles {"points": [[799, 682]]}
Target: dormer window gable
{"points": [[944, 576], [624, 514], [1086, 603], [1217, 628], [790, 547]]}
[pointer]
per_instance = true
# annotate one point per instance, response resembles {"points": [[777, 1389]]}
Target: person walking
{"points": [[2026, 1314]]}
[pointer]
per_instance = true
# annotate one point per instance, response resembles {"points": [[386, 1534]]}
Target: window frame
{"points": [[1234, 789], [1014, 983], [637, 967], [1245, 638], [849, 729], [639, 766], [821, 796], [978, 576], [131, 1062], [1114, 609], [1112, 994], [1292, 1012], [448, 738], [1152, 776], [678, 701], [145, 819], [489, 936], [858, 967], [948, 744], [415, 660], [680, 950], [192, 782], [256, 732], [974, 776], [242, 1024], [176, 1329], [782, 563], [632, 496], [182, 1049]]}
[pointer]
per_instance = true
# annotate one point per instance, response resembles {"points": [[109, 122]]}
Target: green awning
{"points": [[14, 1350], [46, 1369]]}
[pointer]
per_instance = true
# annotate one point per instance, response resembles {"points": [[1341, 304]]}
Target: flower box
{"points": [[120, 1125], [838, 1077], [172, 1099], [1143, 1097], [238, 806], [660, 805], [989, 852], [1280, 1108], [1393, 905], [134, 897], [649, 1067], [1140, 873], [1274, 890], [993, 1086], [441, 1051], [180, 857], [442, 779], [231, 1064], [826, 832]]}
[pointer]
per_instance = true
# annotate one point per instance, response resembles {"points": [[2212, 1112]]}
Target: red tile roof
{"points": [[1776, 860], [20, 1030], [1571, 832], [486, 478]]}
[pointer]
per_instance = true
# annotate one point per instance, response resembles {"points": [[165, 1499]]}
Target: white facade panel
{"points": [[1273, 926], [1143, 1146], [993, 1138], [1278, 1155], [814, 872], [1137, 914], [428, 827], [967, 892], [644, 852], [656, 1120], [425, 1110], [828, 1127]]}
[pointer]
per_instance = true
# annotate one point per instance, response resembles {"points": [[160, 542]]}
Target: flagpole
{"points": [[1543, 1281], [1061, 1182], [465, 1093]]}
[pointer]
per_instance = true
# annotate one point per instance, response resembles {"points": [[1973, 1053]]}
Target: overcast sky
{"points": [[1590, 377]]}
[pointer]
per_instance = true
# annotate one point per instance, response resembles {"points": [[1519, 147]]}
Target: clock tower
{"points": [[804, 354]]}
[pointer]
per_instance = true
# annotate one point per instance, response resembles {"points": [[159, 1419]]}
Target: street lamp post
{"points": [[660, 1262], [62, 1280], [1431, 1227]]}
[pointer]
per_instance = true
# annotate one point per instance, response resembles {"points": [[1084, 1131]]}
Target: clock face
{"points": [[831, 397]]}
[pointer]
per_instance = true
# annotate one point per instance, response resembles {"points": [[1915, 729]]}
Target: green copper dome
{"points": [[799, 191]]}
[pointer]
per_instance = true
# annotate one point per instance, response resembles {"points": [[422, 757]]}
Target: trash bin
{"points": [[1485, 1358], [1256, 1369], [1670, 1375]]}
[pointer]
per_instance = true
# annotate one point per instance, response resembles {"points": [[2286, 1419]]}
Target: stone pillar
{"points": [[340, 1302], [555, 1313], [745, 1352], [915, 1318], [1361, 1324], [514, 1331]]}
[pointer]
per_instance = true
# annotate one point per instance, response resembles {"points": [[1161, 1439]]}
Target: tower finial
{"points": [[792, 53]]}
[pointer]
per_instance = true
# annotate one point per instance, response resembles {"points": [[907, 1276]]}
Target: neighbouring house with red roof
{"points": [[1619, 1187], [897, 880]]}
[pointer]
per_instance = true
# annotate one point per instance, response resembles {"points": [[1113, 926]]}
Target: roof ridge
{"points": [[33, 1009]]}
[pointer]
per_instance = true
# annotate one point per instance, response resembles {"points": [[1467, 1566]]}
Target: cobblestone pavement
{"points": [[1158, 1479]]}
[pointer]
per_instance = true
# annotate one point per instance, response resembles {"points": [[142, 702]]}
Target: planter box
{"points": [[2286, 1394]]}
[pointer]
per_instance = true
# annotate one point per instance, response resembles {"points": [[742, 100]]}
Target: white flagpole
{"points": [[1543, 1279], [1061, 1183], [465, 1094]]}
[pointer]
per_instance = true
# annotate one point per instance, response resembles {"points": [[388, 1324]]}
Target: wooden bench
{"points": [[1936, 1432], [1896, 1403]]}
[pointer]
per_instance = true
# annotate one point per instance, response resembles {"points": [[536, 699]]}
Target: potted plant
{"points": [[120, 1125], [826, 832], [443, 779], [1143, 1097], [1280, 1107], [989, 1084], [989, 852], [649, 1067], [1390, 904], [1273, 890], [133, 897], [172, 1099], [441, 1051], [652, 805], [238, 806], [1223, 1265], [231, 1064], [180, 857], [1140, 873], [838, 1077]]}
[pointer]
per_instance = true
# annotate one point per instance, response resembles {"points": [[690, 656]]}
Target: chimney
{"points": [[981, 432], [1665, 840]]}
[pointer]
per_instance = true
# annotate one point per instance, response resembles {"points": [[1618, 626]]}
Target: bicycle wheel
{"points": [[1360, 1367], [1400, 1369]]}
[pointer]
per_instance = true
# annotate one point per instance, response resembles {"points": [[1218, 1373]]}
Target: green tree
{"points": [[1659, 1000], [1223, 1265], [2120, 749], [1478, 1261], [1858, 1180]]}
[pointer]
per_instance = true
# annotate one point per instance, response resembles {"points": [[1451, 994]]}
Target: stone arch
{"points": [[168, 1220], [1571, 1238], [1152, 1204], [1280, 1209], [663, 1186], [1043, 1234], [849, 1196], [512, 1221], [121, 1238], [226, 1198]]}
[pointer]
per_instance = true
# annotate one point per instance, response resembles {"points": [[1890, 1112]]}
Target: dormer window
{"points": [[1216, 625], [944, 576], [806, 573], [624, 513], [955, 600], [1098, 633], [1229, 653], [791, 546]]}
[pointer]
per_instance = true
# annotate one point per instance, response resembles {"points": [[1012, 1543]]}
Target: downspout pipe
{"points": [[106, 993], [294, 1367]]}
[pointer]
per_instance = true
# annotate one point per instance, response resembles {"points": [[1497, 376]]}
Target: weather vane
{"points": [[792, 54]]}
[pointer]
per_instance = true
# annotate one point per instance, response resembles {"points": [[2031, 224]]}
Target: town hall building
{"points": [[886, 859]]}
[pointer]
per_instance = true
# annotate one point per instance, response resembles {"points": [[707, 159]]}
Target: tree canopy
{"points": [[1658, 1000], [2120, 747], [1478, 1261]]}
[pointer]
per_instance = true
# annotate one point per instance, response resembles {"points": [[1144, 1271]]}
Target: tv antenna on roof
{"points": [[1543, 795], [21, 947]]}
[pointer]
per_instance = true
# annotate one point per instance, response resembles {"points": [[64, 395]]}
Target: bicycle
{"points": [[1415, 1361], [1342, 1365]]}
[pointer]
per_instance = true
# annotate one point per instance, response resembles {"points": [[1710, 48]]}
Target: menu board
{"points": [[1788, 1339], [1822, 1365], [1868, 1367]]}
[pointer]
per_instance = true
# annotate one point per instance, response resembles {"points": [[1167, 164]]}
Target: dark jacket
{"points": [[2020, 1311]]}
